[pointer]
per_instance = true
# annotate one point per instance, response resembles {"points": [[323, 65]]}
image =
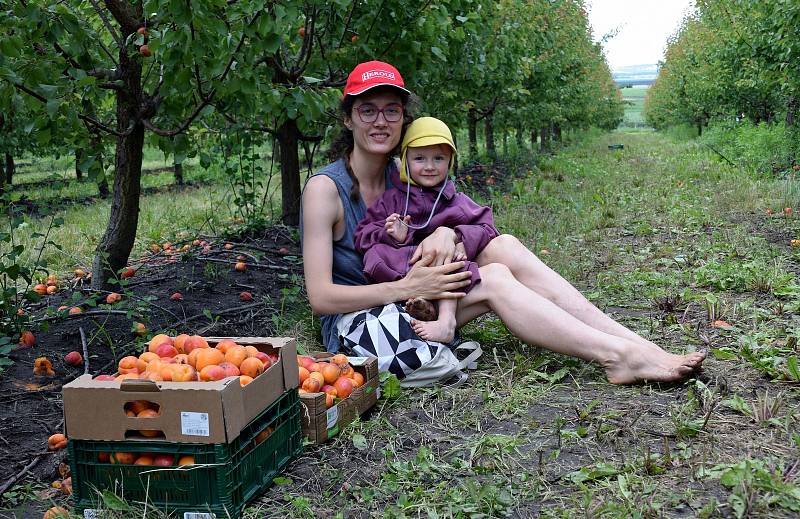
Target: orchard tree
{"points": [[126, 68]]}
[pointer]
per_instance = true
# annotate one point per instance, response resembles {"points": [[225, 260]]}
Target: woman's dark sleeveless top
{"points": [[347, 263]]}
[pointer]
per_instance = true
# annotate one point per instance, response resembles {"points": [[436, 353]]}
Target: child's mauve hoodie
{"points": [[387, 260]]}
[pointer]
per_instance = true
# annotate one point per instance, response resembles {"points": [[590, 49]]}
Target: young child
{"points": [[423, 198]]}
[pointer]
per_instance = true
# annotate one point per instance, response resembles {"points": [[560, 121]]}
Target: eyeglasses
{"points": [[368, 113]]}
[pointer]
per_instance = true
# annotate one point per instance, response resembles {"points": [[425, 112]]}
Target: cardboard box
{"points": [[190, 412], [319, 424]]}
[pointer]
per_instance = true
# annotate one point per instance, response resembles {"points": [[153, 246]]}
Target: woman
{"points": [[537, 305]]}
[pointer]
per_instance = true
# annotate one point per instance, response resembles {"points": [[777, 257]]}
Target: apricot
{"points": [[113, 297], [157, 341], [179, 343], [329, 400], [103, 457], [144, 459], [183, 373], [145, 359], [252, 367], [304, 361], [357, 378], [207, 357], [66, 486], [128, 273], [56, 512], [192, 358], [245, 296], [74, 358], [128, 365], [311, 385], [40, 289], [212, 372], [139, 329], [340, 359], [240, 266], [181, 358], [263, 435], [329, 389], [43, 367], [344, 386], [155, 377], [225, 344], [316, 375], [347, 371], [148, 413], [244, 380], [79, 273], [105, 377], [164, 460], [186, 459], [230, 369], [177, 296], [56, 442], [27, 338], [123, 458], [137, 406], [236, 355], [75, 310], [165, 350], [51, 289], [127, 376], [194, 342], [303, 372], [330, 372], [252, 351]]}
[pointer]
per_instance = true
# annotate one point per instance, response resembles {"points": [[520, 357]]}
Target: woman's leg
{"points": [[534, 274], [536, 320]]}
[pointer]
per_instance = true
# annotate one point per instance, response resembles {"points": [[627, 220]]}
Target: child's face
{"points": [[428, 165]]}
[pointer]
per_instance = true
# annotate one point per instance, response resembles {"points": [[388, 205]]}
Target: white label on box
{"points": [[333, 416], [198, 515], [91, 513], [378, 392], [194, 424], [357, 361]]}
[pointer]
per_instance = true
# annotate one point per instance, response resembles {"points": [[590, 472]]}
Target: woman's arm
{"points": [[321, 210]]}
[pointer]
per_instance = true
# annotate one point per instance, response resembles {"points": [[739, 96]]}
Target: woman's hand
{"points": [[437, 249], [435, 282]]}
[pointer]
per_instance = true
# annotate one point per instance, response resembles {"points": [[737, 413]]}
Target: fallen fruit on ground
{"points": [[177, 296], [139, 329], [51, 289], [40, 289], [79, 273], [66, 486], [56, 442], [128, 273], [74, 358], [113, 297], [245, 296], [240, 266], [43, 367], [27, 338], [75, 310], [56, 512], [719, 323]]}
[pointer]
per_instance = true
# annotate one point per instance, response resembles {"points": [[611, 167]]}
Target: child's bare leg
{"points": [[442, 329]]}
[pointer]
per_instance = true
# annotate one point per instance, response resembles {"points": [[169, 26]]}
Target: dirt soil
{"points": [[31, 407]]}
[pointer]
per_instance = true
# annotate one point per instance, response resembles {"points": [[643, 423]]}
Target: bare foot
{"points": [[421, 309], [437, 331], [652, 364]]}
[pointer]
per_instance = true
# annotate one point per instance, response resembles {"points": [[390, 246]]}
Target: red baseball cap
{"points": [[373, 74]]}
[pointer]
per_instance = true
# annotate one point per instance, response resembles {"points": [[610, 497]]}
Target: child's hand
{"points": [[460, 254], [394, 227]]}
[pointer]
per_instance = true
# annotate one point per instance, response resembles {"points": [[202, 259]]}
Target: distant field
{"points": [[634, 104]]}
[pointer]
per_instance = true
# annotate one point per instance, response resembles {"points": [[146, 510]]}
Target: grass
{"points": [[633, 98], [664, 238]]}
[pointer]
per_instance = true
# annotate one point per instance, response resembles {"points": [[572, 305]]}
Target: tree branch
{"points": [[112, 6]]}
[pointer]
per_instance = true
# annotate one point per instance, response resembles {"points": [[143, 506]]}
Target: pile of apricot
{"points": [[145, 458], [189, 358], [335, 377]]}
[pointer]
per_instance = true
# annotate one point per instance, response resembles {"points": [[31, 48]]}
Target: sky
{"points": [[643, 27]]}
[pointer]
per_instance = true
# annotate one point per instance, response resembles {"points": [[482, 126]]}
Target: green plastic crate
{"points": [[225, 477]]}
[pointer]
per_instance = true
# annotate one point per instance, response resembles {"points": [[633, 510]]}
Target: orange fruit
{"points": [[137, 406], [123, 458], [347, 370], [340, 359], [318, 377], [103, 457], [244, 380], [56, 512], [207, 357], [303, 372], [330, 372], [311, 385], [358, 379], [158, 340], [179, 341], [251, 351], [56, 442], [186, 459], [144, 459], [329, 400], [344, 386], [252, 367], [236, 355], [225, 344]]}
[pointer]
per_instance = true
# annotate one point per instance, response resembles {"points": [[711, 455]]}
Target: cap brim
{"points": [[370, 87], [431, 140]]}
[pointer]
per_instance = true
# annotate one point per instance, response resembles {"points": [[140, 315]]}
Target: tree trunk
{"points": [[488, 131], [699, 128], [11, 168], [557, 132], [791, 111], [534, 139], [78, 158], [472, 127], [455, 158], [505, 143], [2, 178], [290, 172], [545, 137], [520, 136], [178, 170], [115, 246]]}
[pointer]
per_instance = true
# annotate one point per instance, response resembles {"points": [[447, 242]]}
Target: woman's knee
{"points": [[495, 276], [502, 249]]}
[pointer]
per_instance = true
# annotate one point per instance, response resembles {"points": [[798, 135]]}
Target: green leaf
{"points": [[359, 442], [112, 502], [438, 53], [794, 371], [391, 385]]}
